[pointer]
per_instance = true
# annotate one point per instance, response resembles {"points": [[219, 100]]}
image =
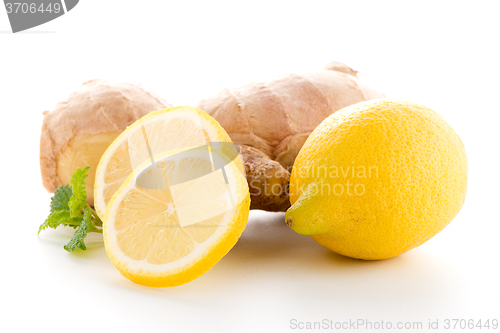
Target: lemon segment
{"points": [[176, 216], [158, 132]]}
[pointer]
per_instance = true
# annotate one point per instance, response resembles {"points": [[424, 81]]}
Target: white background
{"points": [[441, 54]]}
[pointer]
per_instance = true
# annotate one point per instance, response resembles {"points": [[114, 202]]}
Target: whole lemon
{"points": [[377, 179]]}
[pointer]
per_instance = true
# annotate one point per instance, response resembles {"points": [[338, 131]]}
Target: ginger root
{"points": [[78, 131], [273, 119], [266, 179]]}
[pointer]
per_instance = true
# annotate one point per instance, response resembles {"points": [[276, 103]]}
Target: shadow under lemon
{"points": [[279, 261]]}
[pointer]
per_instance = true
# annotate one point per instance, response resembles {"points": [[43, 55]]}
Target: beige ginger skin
{"points": [[271, 120], [78, 131]]}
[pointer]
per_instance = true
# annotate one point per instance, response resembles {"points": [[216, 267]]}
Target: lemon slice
{"points": [[158, 132], [176, 216]]}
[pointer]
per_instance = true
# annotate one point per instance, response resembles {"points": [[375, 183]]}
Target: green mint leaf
{"points": [[55, 219], [78, 201], [68, 207], [60, 200], [78, 238]]}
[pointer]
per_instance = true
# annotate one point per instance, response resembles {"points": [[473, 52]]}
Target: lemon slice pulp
{"points": [[175, 216], [158, 132]]}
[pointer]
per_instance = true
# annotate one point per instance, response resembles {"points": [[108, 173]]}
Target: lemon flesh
{"points": [[160, 131], [172, 219]]}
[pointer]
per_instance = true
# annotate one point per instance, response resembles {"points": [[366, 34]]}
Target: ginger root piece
{"points": [[266, 178], [272, 120], [78, 131]]}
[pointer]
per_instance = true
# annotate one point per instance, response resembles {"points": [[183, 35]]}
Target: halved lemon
{"points": [[160, 131], [176, 216]]}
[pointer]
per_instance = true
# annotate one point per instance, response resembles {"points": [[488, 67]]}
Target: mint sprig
{"points": [[69, 207]]}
